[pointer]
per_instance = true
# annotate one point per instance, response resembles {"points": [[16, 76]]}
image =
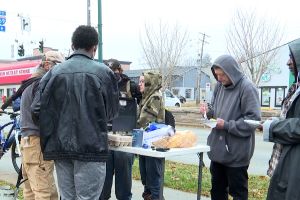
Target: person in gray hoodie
{"points": [[232, 141], [284, 184]]}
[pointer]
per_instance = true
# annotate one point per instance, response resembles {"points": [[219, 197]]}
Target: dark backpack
{"points": [[169, 118], [16, 103]]}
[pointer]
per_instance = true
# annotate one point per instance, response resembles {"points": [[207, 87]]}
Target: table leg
{"points": [[161, 193], [200, 155]]}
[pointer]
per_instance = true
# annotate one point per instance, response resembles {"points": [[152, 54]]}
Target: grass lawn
{"points": [[20, 196], [184, 177]]}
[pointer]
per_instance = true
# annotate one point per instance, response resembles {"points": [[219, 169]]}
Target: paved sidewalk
{"points": [[169, 194], [137, 189]]}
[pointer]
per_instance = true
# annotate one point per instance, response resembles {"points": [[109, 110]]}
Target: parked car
{"points": [[171, 99], [182, 99]]}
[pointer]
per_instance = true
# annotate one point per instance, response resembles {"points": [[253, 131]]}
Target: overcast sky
{"points": [[123, 22]]}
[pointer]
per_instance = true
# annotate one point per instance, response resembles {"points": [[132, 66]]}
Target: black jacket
{"points": [[133, 87], [284, 184], [78, 97]]}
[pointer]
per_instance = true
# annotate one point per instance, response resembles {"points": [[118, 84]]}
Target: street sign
{"points": [[2, 20], [207, 86], [2, 13]]}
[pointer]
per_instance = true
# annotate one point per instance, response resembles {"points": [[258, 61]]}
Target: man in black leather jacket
{"points": [[77, 100]]}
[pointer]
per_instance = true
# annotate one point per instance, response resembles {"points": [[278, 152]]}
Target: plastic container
{"points": [[117, 140], [137, 137]]}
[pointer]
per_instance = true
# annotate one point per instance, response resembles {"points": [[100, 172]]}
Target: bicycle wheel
{"points": [[16, 156]]}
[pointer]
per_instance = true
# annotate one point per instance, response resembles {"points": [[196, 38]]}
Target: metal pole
{"points": [[100, 58], [88, 12], [199, 71], [200, 155]]}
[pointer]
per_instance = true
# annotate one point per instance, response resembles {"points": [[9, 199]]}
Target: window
{"points": [[169, 94], [279, 96], [188, 93], [175, 91], [10, 91], [265, 96]]}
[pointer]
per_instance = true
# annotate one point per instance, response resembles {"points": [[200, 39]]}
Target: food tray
{"points": [[117, 140]]}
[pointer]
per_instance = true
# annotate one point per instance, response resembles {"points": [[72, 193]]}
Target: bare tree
{"points": [[250, 39], [163, 49], [192, 61], [206, 61]]}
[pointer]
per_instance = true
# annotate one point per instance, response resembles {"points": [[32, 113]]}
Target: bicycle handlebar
{"points": [[12, 114]]}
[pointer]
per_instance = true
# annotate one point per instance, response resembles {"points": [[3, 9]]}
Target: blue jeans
{"points": [[120, 164], [151, 175]]}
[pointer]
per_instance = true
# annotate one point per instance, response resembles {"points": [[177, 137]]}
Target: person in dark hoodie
{"points": [[285, 105], [284, 184], [120, 163], [232, 141]]}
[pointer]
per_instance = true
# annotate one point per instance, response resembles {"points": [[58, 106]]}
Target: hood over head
{"points": [[230, 66], [153, 82], [294, 47]]}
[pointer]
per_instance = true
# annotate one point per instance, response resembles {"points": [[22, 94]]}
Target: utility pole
{"points": [[100, 59], [88, 12], [199, 68]]}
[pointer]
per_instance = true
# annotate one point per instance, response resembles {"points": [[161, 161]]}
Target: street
{"points": [[258, 165], [259, 162]]}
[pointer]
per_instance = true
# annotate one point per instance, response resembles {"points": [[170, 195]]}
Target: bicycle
{"points": [[12, 140]]}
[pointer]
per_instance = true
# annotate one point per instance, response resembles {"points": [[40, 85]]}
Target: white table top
{"points": [[159, 154]]}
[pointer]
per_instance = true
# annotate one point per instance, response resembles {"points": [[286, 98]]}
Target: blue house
{"points": [[184, 82]]}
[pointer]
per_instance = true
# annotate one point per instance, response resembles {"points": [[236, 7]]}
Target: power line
{"points": [[267, 51]]}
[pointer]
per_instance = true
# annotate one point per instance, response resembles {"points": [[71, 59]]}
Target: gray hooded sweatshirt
{"points": [[233, 146]]}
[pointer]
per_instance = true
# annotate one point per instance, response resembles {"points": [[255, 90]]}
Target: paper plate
{"points": [[211, 124], [253, 122]]}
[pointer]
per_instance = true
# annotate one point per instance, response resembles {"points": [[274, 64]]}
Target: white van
{"points": [[171, 99]]}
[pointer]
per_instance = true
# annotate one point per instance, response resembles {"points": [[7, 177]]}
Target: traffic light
{"points": [[21, 51], [41, 46]]}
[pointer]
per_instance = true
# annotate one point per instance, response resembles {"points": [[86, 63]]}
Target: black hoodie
{"points": [[284, 183]]}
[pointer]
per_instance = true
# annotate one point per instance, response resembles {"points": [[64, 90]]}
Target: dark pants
{"points": [[151, 175], [232, 180], [120, 164]]}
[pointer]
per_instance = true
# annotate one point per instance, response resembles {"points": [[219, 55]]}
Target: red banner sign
{"points": [[15, 73]]}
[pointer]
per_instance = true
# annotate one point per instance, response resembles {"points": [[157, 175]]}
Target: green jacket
{"points": [[151, 108]]}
